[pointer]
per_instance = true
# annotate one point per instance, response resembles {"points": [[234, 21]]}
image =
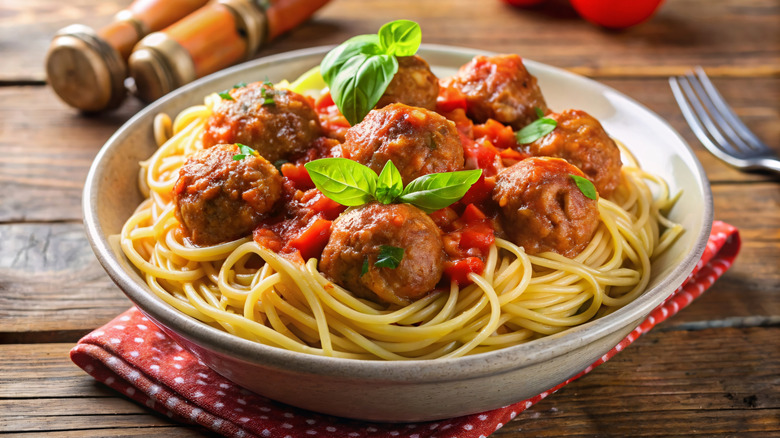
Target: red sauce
{"points": [[301, 228]]}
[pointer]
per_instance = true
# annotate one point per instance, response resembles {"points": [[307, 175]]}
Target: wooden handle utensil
{"points": [[216, 36], [87, 68]]}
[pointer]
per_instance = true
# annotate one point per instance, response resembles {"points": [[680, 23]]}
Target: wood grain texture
{"points": [[641, 391], [735, 33]]}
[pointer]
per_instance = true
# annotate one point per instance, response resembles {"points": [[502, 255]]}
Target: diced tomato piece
{"points": [[328, 208], [298, 175], [472, 214], [459, 270], [323, 102], [478, 236], [312, 240], [499, 135], [478, 192], [512, 156], [481, 155], [450, 99]]}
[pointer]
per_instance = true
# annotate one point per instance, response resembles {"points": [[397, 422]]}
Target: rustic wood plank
{"points": [[549, 33], [553, 33], [629, 395], [43, 170], [644, 391], [52, 286], [43, 393], [55, 290], [163, 431], [26, 30]]}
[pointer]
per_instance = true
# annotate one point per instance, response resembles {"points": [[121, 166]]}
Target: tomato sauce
{"points": [[301, 229]]}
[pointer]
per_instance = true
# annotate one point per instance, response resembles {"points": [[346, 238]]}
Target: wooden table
{"points": [[712, 369]]}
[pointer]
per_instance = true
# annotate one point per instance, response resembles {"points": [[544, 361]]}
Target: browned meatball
{"points": [[357, 238], [276, 130], [414, 84], [500, 88], [581, 140], [219, 199], [542, 209], [418, 141]]}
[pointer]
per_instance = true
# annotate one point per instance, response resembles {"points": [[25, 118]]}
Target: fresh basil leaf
{"points": [[438, 190], [364, 268], [400, 38], [355, 46], [225, 95], [586, 187], [360, 83], [539, 112], [342, 180], [240, 85], [245, 151], [389, 257], [359, 70], [536, 130], [390, 184]]}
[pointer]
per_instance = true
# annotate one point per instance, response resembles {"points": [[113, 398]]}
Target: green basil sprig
{"points": [[225, 94], [537, 129], [389, 257], [586, 187], [360, 69], [245, 150], [351, 183]]}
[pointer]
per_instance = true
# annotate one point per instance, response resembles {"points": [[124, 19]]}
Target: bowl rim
{"points": [[409, 371]]}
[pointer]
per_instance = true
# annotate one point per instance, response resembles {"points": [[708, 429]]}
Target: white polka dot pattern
{"points": [[134, 357]]}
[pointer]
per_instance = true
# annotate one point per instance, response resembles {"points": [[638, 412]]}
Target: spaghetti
{"points": [[252, 292]]}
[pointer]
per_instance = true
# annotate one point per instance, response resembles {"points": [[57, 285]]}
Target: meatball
{"points": [[581, 140], [542, 209], [278, 123], [414, 84], [219, 199], [358, 237], [500, 88], [418, 141]]}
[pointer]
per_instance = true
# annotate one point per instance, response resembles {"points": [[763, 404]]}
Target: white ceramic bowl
{"points": [[414, 390]]}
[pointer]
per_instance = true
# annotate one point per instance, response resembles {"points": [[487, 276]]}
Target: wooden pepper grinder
{"points": [[87, 68], [216, 36]]}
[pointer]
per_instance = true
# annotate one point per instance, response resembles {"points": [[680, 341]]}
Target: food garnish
{"points": [[351, 183], [389, 257], [245, 152], [586, 187], [226, 93], [360, 69], [537, 129]]}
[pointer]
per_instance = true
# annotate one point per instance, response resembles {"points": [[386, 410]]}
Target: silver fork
{"points": [[716, 125]]}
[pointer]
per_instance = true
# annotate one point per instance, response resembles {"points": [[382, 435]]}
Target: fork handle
{"points": [[772, 164]]}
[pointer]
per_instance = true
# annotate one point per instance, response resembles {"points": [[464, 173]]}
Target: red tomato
{"points": [[616, 14], [523, 3]]}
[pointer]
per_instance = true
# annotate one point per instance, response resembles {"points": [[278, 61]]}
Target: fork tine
{"points": [[719, 122], [732, 120], [704, 120], [682, 97]]}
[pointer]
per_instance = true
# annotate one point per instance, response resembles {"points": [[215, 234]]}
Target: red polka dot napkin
{"points": [[135, 358]]}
